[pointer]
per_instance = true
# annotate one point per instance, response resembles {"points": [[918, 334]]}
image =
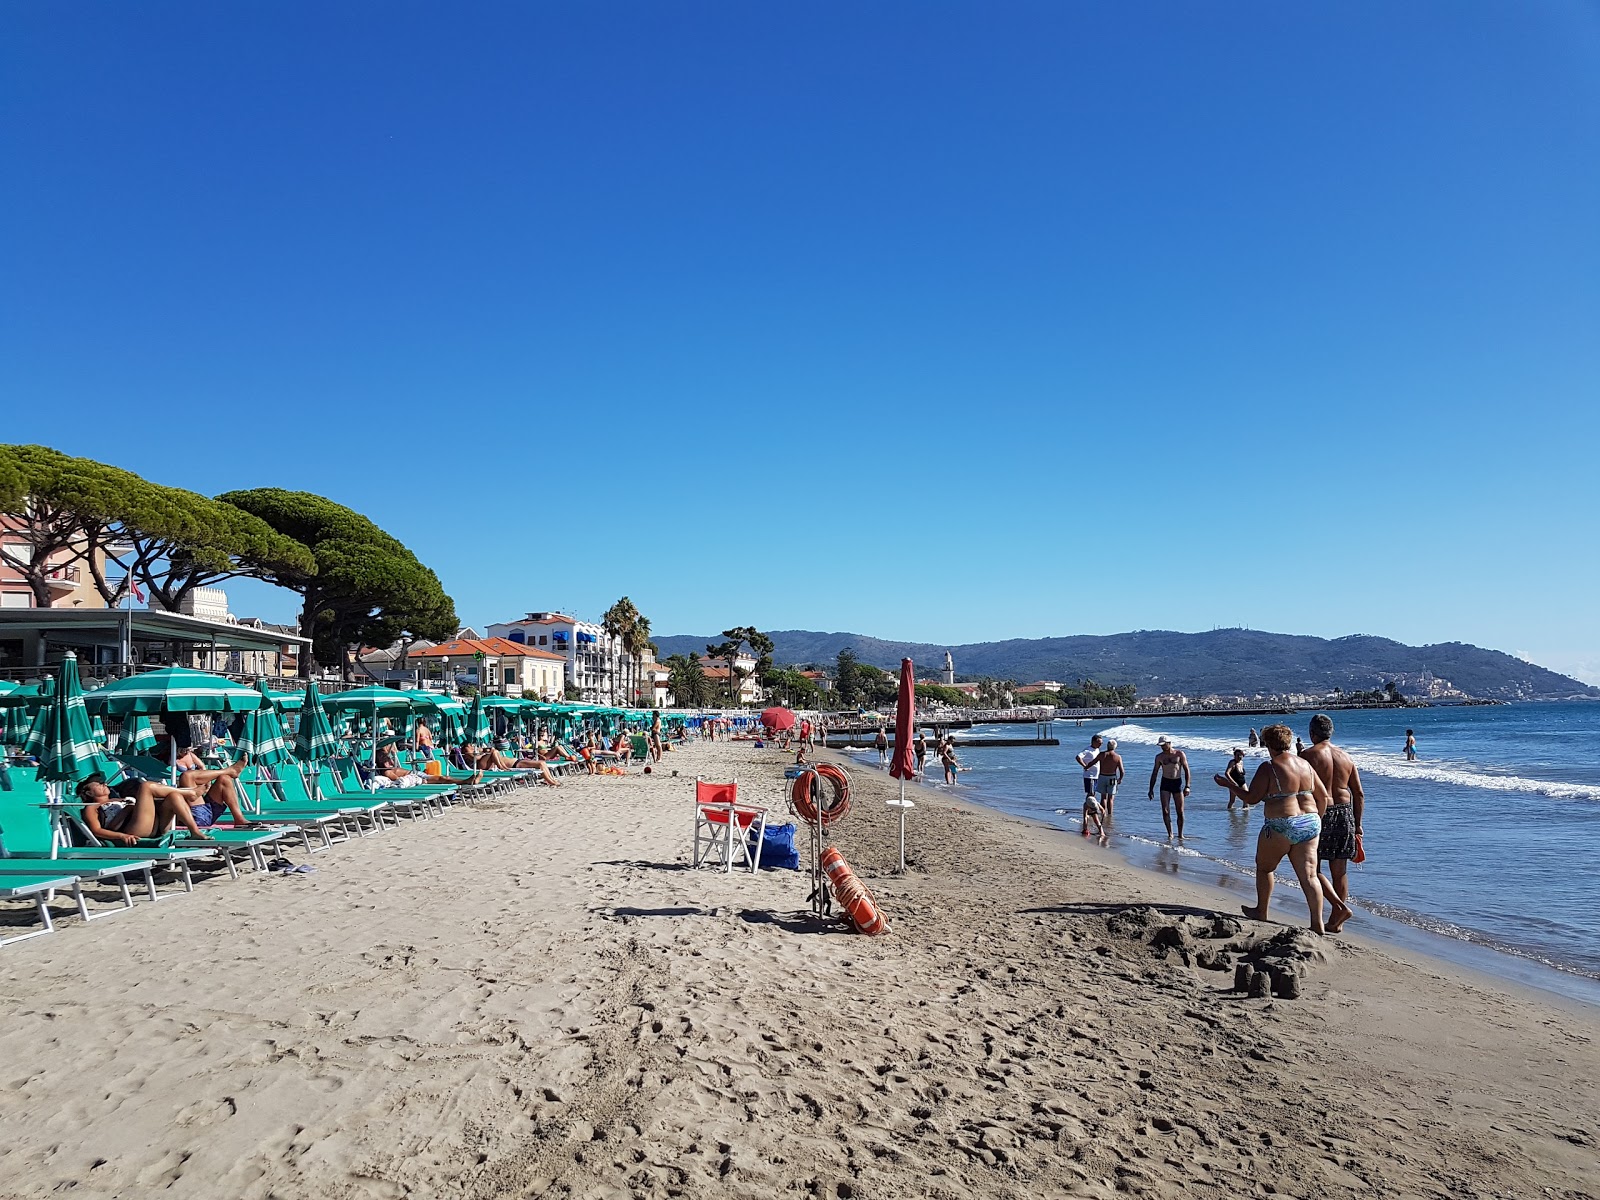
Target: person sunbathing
{"points": [[218, 792], [622, 748], [120, 814], [491, 759]]}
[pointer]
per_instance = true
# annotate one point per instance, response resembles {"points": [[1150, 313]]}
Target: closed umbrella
{"points": [[261, 741], [62, 739], [477, 723], [137, 736], [903, 765], [314, 742]]}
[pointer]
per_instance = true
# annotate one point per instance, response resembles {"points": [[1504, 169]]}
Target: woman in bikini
{"points": [[1295, 800]]}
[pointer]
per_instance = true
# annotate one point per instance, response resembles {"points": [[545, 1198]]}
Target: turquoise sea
{"points": [[1484, 849]]}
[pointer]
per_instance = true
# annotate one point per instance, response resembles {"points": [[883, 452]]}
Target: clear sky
{"points": [[950, 322]]}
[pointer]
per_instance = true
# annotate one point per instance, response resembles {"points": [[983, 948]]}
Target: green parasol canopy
{"points": [[386, 701], [173, 689], [137, 736], [315, 741], [61, 737], [98, 728]]}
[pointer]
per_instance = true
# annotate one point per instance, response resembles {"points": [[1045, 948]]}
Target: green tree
{"points": [[732, 646], [686, 680], [786, 685], [940, 693], [79, 512], [366, 588]]}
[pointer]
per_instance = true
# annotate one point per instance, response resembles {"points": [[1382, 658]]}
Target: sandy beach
{"points": [[535, 996]]}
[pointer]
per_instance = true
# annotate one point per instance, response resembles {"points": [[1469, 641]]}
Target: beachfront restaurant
{"points": [[109, 642]]}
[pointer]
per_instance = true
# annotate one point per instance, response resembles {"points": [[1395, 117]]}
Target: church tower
{"points": [[949, 668]]}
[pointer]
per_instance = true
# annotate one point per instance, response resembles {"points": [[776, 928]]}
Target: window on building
{"points": [[16, 599]]}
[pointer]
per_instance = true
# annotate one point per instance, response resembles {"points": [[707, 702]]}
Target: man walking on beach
{"points": [[1089, 760], [1341, 821], [1172, 765], [1110, 764], [920, 749], [881, 742]]}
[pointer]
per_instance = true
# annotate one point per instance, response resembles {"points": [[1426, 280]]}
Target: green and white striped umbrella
{"points": [[262, 741], [314, 742], [62, 738], [137, 736], [98, 728], [477, 730], [14, 731], [173, 689]]}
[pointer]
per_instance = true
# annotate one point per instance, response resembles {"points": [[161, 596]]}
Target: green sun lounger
{"points": [[38, 888]]}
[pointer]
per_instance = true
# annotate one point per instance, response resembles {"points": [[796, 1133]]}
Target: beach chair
{"points": [[225, 839], [32, 848], [38, 888], [722, 826], [283, 799]]}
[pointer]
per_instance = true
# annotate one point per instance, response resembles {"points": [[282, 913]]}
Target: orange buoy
{"points": [[853, 896]]}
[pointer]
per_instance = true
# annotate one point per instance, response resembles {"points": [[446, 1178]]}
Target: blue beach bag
{"points": [[778, 852]]}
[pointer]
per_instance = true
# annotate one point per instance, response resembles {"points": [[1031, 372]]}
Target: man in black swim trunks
{"points": [[1341, 820], [1172, 765]]}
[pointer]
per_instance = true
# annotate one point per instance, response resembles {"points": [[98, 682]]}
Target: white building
{"points": [[597, 665]]}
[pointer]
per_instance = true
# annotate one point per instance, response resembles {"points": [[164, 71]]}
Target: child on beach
{"points": [[1093, 812], [947, 757]]}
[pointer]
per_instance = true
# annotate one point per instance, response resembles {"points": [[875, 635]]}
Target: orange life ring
{"points": [[855, 898], [838, 783]]}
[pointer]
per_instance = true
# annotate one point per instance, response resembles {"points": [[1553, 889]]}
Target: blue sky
{"points": [[924, 320]]}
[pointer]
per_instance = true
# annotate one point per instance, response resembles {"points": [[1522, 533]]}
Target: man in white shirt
{"points": [[1089, 760]]}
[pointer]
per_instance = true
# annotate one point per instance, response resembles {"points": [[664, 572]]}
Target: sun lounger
{"points": [[38, 889]]}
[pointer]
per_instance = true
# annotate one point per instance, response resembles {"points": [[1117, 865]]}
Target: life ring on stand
{"points": [[833, 809]]}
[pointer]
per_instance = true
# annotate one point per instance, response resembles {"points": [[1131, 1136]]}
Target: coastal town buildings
{"points": [[494, 665], [597, 665]]}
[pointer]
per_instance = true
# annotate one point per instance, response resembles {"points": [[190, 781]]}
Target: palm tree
{"points": [[637, 643], [619, 622]]}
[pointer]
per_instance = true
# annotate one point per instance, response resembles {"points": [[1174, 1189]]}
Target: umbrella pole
{"points": [[902, 826]]}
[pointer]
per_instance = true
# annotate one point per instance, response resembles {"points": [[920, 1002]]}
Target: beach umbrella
{"points": [[137, 736], [261, 740], [777, 719], [98, 728], [477, 731], [903, 765], [62, 739], [314, 743], [172, 689]]}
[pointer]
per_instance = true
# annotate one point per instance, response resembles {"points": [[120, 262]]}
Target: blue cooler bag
{"points": [[778, 852]]}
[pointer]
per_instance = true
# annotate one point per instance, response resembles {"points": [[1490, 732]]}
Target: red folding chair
{"points": [[722, 826]]}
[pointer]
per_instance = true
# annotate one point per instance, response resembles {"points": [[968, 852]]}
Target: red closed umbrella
{"points": [[776, 719], [902, 766]]}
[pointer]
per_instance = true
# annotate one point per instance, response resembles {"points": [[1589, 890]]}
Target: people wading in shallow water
{"points": [[1295, 799], [1341, 822], [1411, 746], [1235, 772], [1173, 767]]}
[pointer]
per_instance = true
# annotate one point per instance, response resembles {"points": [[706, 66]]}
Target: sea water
{"points": [[1489, 839]]}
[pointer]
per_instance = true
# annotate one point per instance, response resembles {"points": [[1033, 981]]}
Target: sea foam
{"points": [[1392, 766]]}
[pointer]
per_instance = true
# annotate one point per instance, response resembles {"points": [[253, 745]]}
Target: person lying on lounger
{"points": [[218, 792], [121, 814], [487, 758]]}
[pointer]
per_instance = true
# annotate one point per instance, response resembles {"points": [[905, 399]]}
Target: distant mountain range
{"points": [[1222, 662]]}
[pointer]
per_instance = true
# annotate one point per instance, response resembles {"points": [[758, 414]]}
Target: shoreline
{"points": [[1473, 962], [537, 995]]}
